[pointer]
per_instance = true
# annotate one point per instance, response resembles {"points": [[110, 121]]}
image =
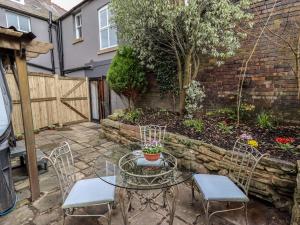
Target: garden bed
{"points": [[221, 131]]}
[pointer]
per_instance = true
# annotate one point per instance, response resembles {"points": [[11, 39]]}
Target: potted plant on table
{"points": [[152, 152]]}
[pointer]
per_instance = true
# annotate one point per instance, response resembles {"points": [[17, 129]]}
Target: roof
{"points": [[37, 8], [74, 8]]}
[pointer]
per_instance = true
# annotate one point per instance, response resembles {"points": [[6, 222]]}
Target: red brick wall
{"points": [[270, 82]]}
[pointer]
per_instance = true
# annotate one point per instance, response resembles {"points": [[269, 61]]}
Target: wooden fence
{"points": [[54, 100]]}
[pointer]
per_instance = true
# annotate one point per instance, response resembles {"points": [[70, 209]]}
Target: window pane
{"points": [[78, 32], [24, 23], [78, 20], [12, 20], [103, 18], [104, 38], [113, 36]]}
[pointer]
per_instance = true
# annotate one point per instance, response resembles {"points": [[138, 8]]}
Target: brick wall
{"points": [[270, 81]]}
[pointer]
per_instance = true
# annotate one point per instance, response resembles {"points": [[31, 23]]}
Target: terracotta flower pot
{"points": [[152, 157]]}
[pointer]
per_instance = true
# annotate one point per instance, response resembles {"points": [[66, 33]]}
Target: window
{"points": [[78, 25], [19, 1], [21, 23], [107, 30]]}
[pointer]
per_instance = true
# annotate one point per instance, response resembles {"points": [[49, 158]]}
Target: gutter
{"points": [[73, 9], [77, 69]]}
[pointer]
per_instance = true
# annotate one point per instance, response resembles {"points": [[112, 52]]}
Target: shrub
{"points": [[194, 98], [196, 124], [126, 76], [133, 116], [265, 120], [224, 128]]}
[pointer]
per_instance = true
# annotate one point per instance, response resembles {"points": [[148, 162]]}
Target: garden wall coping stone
{"points": [[274, 180]]}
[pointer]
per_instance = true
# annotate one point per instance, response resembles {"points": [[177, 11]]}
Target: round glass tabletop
{"points": [[133, 171]]}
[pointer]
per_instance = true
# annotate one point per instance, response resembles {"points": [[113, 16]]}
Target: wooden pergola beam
{"points": [[21, 46]]}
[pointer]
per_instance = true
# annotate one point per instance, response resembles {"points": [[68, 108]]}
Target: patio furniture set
{"points": [[140, 183]]}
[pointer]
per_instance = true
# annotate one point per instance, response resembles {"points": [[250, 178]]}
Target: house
{"points": [[38, 17], [89, 43]]}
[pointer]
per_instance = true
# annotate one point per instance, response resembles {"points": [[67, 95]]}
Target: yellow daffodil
{"points": [[253, 143]]}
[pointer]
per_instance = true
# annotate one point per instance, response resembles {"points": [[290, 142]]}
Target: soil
{"points": [[214, 135]]}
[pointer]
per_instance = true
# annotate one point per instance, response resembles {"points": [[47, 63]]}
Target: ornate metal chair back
{"points": [[152, 134], [61, 159], [244, 160]]}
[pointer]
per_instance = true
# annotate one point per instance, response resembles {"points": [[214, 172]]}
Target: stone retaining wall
{"points": [[296, 209], [274, 180]]}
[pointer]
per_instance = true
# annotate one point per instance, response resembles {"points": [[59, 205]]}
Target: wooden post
{"points": [[58, 101], [88, 98], [28, 126]]}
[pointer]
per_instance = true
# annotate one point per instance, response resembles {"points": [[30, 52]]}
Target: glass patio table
{"points": [[145, 184]]}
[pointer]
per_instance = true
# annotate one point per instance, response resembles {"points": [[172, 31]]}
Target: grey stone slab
{"points": [[48, 201], [20, 216]]}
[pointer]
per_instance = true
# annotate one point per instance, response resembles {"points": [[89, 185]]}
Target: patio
{"points": [[87, 146]]}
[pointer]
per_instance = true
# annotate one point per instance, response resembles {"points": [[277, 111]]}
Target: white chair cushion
{"points": [[89, 192], [219, 188]]}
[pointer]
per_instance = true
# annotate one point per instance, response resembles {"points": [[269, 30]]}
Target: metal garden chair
{"points": [[82, 193], [152, 134], [234, 188]]}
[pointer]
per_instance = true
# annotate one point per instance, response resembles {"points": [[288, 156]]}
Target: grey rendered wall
{"points": [[40, 29], [85, 52]]}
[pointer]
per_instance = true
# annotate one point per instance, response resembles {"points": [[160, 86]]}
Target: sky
{"points": [[66, 4]]}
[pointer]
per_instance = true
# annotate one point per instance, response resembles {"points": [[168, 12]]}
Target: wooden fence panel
{"points": [[54, 100]]}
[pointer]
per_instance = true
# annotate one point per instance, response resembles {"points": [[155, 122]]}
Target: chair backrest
{"points": [[152, 134], [244, 160], [61, 159]]}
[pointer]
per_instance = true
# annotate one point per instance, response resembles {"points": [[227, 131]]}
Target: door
{"points": [[100, 99]]}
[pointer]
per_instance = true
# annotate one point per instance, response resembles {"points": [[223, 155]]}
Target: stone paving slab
{"points": [[87, 146]]}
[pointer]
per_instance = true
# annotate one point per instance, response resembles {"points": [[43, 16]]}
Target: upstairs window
{"points": [[78, 26], [21, 23], [107, 30], [19, 1]]}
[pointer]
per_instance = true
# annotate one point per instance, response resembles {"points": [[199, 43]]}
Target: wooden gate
{"points": [[54, 100], [73, 100]]}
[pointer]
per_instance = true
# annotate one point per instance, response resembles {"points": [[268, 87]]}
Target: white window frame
{"points": [[18, 15], [20, 1], [78, 25], [108, 26]]}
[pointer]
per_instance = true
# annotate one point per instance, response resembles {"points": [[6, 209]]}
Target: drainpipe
{"points": [[59, 37], [50, 23]]}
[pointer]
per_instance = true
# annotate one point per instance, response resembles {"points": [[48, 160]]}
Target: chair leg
{"points": [[193, 192], [109, 214], [246, 213]]}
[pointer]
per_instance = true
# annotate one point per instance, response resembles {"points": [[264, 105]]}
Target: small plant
{"points": [[133, 116], [194, 98], [246, 137], [285, 143], [265, 120], [253, 143], [229, 112], [196, 124], [247, 110], [153, 149], [224, 128]]}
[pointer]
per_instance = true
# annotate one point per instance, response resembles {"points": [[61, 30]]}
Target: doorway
{"points": [[100, 99]]}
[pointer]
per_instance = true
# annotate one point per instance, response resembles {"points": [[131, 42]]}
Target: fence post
{"points": [[88, 98], [58, 101]]}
